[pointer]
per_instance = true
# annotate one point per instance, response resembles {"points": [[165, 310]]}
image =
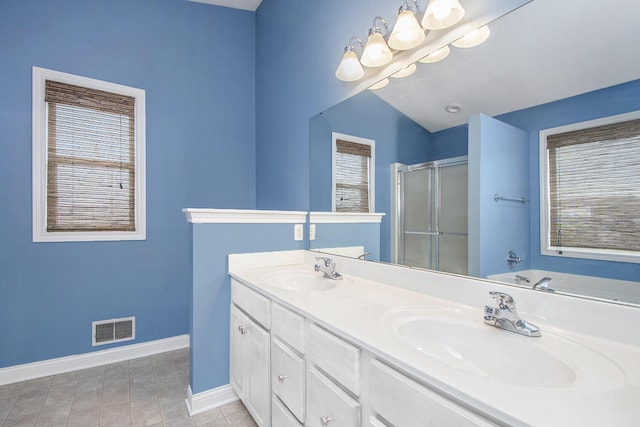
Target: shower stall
{"points": [[429, 215]]}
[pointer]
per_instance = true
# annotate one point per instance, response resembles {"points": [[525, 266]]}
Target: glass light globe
{"points": [[407, 33], [349, 69], [376, 53], [442, 14], [473, 39]]}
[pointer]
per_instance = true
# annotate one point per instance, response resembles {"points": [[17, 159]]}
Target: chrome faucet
{"points": [[364, 256], [521, 279], [328, 267], [505, 316], [543, 285]]}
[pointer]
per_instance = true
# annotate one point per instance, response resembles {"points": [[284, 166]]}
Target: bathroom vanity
{"points": [[388, 345]]}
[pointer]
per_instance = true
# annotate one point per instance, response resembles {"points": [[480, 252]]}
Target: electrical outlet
{"points": [[298, 232], [312, 232]]}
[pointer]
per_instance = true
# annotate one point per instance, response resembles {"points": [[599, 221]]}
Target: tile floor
{"points": [[149, 391]]}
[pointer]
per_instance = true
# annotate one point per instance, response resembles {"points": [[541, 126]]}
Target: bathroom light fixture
{"points": [[407, 33], [436, 56], [473, 39], [376, 52], [442, 14], [406, 71], [350, 69], [382, 83]]}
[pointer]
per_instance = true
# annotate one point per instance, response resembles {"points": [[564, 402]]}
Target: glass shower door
{"points": [[433, 216]]}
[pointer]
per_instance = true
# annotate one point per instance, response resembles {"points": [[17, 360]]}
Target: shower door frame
{"points": [[397, 201]]}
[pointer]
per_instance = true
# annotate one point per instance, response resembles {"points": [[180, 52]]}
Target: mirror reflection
{"points": [[537, 71]]}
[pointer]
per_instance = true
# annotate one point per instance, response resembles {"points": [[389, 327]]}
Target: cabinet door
{"points": [[287, 377], [328, 405], [404, 402], [258, 374], [237, 362]]}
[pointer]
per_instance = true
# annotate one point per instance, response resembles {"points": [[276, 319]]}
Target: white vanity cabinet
{"points": [[250, 357], [292, 372]]}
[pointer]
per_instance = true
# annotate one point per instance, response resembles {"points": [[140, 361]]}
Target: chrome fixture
{"points": [[513, 260], [521, 279], [498, 197], [364, 255], [350, 69], [543, 285], [329, 268], [505, 316]]}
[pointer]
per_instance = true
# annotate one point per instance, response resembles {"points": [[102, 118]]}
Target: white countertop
{"points": [[358, 309]]}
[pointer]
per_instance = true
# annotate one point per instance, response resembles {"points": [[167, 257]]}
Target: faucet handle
{"points": [[504, 300], [328, 262]]}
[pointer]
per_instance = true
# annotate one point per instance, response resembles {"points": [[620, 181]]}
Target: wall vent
{"points": [[113, 330]]}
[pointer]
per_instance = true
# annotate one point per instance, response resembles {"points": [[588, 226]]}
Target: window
{"points": [[353, 174], [590, 189], [88, 159]]}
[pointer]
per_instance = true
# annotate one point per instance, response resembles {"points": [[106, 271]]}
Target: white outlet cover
{"points": [[298, 232]]}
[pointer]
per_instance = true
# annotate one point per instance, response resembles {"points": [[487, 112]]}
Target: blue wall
{"points": [[200, 98], [498, 164], [211, 291], [298, 47], [398, 139]]}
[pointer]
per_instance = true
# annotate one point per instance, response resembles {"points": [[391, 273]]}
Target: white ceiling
{"points": [[251, 5], [544, 51]]}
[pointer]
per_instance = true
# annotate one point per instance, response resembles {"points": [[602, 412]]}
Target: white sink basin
{"points": [[299, 280], [462, 341]]}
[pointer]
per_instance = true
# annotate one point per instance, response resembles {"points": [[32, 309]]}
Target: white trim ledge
{"points": [[45, 368], [243, 216], [210, 399], [344, 217]]}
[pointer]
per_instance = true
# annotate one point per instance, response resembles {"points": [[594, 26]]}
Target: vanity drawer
{"points": [[287, 377], [280, 416], [336, 357], [404, 402], [252, 303], [328, 405], [288, 326]]}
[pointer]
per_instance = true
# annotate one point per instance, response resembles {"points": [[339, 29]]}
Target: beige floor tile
{"points": [[148, 391]]}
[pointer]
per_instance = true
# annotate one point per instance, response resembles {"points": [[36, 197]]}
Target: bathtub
{"points": [[576, 284]]}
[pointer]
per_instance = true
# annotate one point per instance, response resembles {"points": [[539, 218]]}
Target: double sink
{"points": [[458, 341]]}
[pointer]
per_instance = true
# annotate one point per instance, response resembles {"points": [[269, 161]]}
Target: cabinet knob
{"points": [[242, 329], [281, 377], [325, 420]]}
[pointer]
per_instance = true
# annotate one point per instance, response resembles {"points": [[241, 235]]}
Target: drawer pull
{"points": [[242, 329], [325, 420], [281, 377]]}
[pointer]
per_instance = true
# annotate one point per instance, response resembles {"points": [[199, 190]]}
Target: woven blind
{"points": [[594, 187], [90, 159], [352, 176]]}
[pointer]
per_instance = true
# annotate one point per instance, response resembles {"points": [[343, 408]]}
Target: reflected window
{"points": [[353, 174], [591, 191]]}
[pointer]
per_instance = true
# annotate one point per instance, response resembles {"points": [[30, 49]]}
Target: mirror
{"points": [[542, 67]]}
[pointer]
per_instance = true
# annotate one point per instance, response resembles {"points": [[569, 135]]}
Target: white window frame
{"points": [[335, 136], [39, 159], [546, 248]]}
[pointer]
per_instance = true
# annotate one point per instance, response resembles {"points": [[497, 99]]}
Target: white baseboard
{"points": [[29, 371], [210, 399]]}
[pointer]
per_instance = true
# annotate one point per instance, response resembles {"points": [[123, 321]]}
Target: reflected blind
{"points": [[594, 187], [90, 159], [352, 176]]}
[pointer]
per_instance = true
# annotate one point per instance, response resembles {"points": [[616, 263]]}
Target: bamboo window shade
{"points": [[352, 176], [90, 159], [594, 187]]}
